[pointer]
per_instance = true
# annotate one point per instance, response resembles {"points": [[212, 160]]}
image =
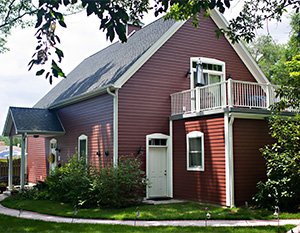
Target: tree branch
{"points": [[17, 18]]}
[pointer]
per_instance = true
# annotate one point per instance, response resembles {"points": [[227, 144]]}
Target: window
{"points": [[213, 71], [157, 142], [83, 147], [195, 151]]}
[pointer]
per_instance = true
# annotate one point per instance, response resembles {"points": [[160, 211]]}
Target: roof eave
{"points": [[41, 132], [83, 97], [9, 122], [148, 54], [240, 49]]}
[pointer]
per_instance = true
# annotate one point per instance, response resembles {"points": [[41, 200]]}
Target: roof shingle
{"points": [[106, 66]]}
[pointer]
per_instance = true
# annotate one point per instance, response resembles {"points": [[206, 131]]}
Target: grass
{"points": [[178, 211], [16, 225]]}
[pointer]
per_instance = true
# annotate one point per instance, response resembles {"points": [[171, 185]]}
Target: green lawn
{"points": [[178, 211], [16, 225]]}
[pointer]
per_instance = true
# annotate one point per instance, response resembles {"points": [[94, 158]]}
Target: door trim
{"points": [[169, 161]]}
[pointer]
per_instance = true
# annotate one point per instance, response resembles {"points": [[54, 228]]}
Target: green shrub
{"points": [[282, 187], [81, 185], [69, 183], [121, 186]]}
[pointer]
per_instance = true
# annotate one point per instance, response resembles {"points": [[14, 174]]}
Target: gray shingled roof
{"points": [[105, 67], [32, 121]]}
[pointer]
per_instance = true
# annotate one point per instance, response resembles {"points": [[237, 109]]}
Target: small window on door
{"points": [[195, 151], [83, 147]]}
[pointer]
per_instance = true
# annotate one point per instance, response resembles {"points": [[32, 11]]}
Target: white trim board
{"points": [[240, 49], [148, 54]]}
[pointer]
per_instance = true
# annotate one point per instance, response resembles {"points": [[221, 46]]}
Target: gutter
{"points": [[77, 99], [115, 124]]}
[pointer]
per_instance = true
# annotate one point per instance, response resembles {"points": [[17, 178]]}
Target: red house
{"points": [[193, 106]]}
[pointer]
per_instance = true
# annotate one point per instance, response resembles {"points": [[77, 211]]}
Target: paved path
{"points": [[199, 223]]}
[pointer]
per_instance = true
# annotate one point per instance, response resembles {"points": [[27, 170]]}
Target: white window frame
{"points": [[83, 137], [200, 135], [212, 72]]}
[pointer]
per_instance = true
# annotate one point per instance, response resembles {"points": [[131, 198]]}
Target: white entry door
{"points": [[157, 171], [158, 166]]}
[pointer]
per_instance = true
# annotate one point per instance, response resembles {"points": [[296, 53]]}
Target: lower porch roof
{"points": [[32, 121]]}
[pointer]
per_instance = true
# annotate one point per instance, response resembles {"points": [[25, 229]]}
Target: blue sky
{"points": [[21, 88]]}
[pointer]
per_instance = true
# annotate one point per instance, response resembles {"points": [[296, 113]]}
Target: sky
{"points": [[82, 38]]}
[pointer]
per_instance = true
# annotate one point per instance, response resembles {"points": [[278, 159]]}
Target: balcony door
{"points": [[207, 74]]}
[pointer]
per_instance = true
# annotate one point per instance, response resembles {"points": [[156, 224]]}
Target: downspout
{"points": [[115, 125]]}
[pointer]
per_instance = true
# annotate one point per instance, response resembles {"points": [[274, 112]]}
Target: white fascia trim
{"points": [[250, 116], [137, 65], [240, 49]]}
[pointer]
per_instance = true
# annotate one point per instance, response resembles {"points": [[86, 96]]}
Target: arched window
{"points": [[83, 147], [195, 151]]}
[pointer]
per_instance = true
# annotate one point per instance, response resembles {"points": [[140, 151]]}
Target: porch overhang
{"points": [[32, 121]]}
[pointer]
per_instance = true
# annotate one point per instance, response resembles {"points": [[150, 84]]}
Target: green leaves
{"points": [[283, 165], [40, 72]]}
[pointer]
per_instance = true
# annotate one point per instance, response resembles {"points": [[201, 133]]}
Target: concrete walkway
{"points": [[199, 223]]}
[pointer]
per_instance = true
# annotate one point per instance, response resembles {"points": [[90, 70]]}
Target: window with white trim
{"points": [[206, 71], [83, 147], [195, 151]]}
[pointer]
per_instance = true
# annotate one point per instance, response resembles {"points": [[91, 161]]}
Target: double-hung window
{"points": [[195, 151]]}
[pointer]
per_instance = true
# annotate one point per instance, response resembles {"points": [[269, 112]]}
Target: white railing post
{"points": [[197, 99], [268, 96], [223, 94], [229, 92]]}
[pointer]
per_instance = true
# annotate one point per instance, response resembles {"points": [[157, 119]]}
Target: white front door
{"points": [[53, 146], [158, 166], [157, 172]]}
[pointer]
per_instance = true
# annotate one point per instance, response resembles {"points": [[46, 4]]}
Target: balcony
{"points": [[231, 93]]}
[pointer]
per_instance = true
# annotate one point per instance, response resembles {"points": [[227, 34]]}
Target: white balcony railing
{"points": [[231, 93]]}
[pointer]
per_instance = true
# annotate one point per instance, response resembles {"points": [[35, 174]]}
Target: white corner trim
{"points": [[170, 160], [240, 49], [229, 166], [163, 39]]}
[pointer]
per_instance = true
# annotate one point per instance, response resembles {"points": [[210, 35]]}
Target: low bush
{"points": [[69, 183], [121, 186], [81, 185]]}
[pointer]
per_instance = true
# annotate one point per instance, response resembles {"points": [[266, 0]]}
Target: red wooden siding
{"points": [[93, 118], [249, 165], [144, 101], [37, 159], [208, 185]]}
